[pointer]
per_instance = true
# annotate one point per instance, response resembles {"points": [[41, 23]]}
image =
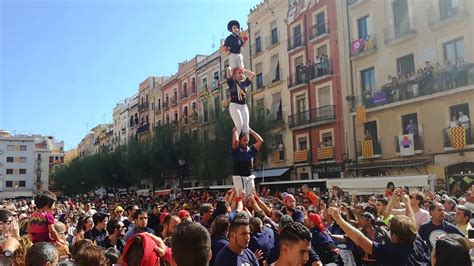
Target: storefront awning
{"points": [[270, 172], [389, 164]]}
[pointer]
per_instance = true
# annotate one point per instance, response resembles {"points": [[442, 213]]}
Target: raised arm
{"points": [[249, 74], [257, 137], [228, 72], [408, 209], [393, 200], [263, 206], [353, 233]]}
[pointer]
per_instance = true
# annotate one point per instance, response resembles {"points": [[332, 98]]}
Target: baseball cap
{"points": [[183, 213]]}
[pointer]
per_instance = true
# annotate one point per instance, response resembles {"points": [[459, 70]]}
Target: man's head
{"points": [[221, 225], [206, 211], [367, 219], [290, 201], [61, 229], [100, 220], [191, 245], [256, 225], [222, 207], [305, 188], [131, 209], [416, 199], [381, 204], [155, 208], [115, 227], [449, 204], [239, 231], [141, 218], [184, 215], [463, 215], [42, 253], [243, 140], [5, 219], [402, 230], [295, 244], [461, 113], [169, 225], [437, 213]]}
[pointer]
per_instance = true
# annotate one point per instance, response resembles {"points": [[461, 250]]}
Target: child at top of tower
{"points": [[233, 44]]}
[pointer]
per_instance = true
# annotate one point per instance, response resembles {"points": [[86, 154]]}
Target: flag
{"points": [[406, 144], [325, 153], [367, 148], [458, 137], [360, 115]]}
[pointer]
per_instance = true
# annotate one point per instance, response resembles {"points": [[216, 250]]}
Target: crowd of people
{"points": [[319, 68], [401, 227]]}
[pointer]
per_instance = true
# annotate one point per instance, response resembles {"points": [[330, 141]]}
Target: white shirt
{"points": [[464, 121], [422, 217]]}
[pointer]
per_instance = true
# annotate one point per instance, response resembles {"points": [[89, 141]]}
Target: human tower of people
{"points": [[240, 227]]}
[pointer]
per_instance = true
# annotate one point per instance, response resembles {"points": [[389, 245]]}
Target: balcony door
{"points": [[297, 40], [400, 17], [371, 127], [448, 8], [301, 108]]}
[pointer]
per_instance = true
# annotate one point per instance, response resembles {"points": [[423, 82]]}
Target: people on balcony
{"points": [[454, 123], [412, 128]]}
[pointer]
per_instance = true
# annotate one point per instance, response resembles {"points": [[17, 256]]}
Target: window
{"points": [[406, 129], [204, 84], [368, 79], [324, 96], [22, 183], [326, 139], [205, 111], [258, 45], [406, 64], [276, 107], [259, 76], [193, 85], [9, 159], [458, 110], [448, 8], [22, 147], [362, 27], [323, 50], [22, 159], [298, 62], [260, 108], [371, 128], [320, 24], [185, 89], [297, 40], [274, 33], [9, 172], [302, 144], [8, 183], [454, 50], [275, 70], [10, 148]]}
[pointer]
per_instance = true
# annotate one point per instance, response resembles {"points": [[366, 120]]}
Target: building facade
{"points": [[411, 88]]}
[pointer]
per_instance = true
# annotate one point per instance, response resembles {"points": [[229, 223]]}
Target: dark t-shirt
{"points": [[397, 254], [120, 244], [242, 160], [263, 241], [226, 257], [234, 42], [234, 89], [298, 216], [99, 238], [217, 243], [430, 232]]}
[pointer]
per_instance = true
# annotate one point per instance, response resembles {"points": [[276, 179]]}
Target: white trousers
{"points": [[240, 115], [236, 60], [244, 184]]}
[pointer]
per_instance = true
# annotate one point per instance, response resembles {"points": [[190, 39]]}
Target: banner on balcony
{"points": [[360, 115], [458, 137], [325, 153], [357, 46], [406, 144], [367, 148]]}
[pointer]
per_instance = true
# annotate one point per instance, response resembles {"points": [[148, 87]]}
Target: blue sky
{"points": [[66, 63]]}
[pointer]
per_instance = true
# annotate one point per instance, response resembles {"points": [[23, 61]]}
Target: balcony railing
{"points": [[143, 106], [419, 85], [325, 153], [143, 128], [298, 78], [300, 156], [417, 142], [318, 29], [321, 115], [441, 14], [320, 69], [272, 40], [296, 41], [458, 138], [363, 47], [399, 30], [367, 149]]}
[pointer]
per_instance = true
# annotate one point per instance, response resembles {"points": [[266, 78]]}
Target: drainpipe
{"points": [[308, 82]]}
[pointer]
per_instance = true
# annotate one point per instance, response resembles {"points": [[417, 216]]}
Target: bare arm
{"points": [[263, 206], [249, 74], [409, 210], [235, 138], [393, 200], [228, 73], [258, 138], [353, 233]]}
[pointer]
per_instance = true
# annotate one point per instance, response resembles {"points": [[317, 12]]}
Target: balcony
{"points": [[369, 149], [300, 156], [143, 128], [320, 69], [313, 117], [298, 78], [275, 119], [444, 15], [295, 42], [325, 153], [398, 32], [144, 106], [318, 30], [404, 90], [174, 102], [458, 138], [360, 48], [184, 94], [272, 40], [417, 142]]}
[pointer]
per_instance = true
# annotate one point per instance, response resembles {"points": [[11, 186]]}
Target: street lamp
{"points": [[181, 163]]}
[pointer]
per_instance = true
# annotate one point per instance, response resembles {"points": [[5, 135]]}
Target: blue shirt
{"points": [[235, 88], [99, 238], [234, 42], [242, 160], [298, 216], [263, 241], [430, 232], [217, 243], [323, 244], [226, 257], [133, 231], [399, 254]]}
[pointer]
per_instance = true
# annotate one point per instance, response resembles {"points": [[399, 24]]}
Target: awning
{"points": [[389, 164], [270, 172]]}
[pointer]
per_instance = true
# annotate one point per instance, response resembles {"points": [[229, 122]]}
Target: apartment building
{"points": [[410, 88], [170, 104], [134, 121], [316, 117]]}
